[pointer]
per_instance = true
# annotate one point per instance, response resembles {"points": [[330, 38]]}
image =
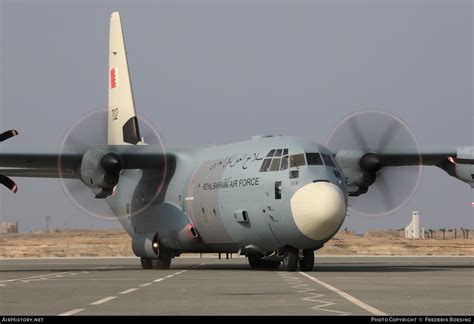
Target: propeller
{"points": [[376, 188], [102, 169], [4, 180]]}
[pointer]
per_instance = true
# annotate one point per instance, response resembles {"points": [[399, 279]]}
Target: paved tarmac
{"points": [[194, 286]]}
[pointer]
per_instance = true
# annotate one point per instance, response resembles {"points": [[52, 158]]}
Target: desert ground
{"points": [[100, 243]]}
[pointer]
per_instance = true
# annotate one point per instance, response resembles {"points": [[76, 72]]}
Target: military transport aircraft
{"points": [[272, 198]]}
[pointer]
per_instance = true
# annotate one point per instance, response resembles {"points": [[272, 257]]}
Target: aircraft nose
{"points": [[318, 209]]}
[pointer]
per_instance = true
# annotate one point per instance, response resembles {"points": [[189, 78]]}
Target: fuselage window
{"points": [[327, 160], [284, 163], [297, 160], [275, 164], [314, 159], [294, 174], [265, 165]]}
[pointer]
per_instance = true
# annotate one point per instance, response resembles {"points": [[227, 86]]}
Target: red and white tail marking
{"points": [[113, 78]]}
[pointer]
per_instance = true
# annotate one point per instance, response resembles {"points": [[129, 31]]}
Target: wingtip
{"points": [[115, 15]]}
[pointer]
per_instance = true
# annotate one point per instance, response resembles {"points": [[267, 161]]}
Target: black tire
{"points": [[290, 259], [164, 258], [255, 261], [307, 263], [270, 265], [146, 263]]}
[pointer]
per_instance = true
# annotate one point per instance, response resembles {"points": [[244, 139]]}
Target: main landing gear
{"points": [[291, 257], [258, 263], [162, 261]]}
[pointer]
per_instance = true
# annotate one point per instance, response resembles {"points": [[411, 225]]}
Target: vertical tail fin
{"points": [[122, 121]]}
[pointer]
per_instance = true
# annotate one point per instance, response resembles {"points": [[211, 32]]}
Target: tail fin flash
{"points": [[122, 121]]}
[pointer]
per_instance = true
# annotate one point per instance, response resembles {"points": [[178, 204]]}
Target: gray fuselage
{"points": [[230, 198]]}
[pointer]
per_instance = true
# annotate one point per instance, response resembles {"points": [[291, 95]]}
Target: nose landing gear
{"points": [[292, 257], [307, 262]]}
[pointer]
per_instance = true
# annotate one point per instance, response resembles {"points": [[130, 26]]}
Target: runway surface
{"points": [[337, 286]]}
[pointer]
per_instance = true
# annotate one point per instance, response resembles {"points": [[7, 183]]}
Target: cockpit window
{"points": [[297, 160], [284, 163], [265, 165], [328, 160], [270, 154], [275, 165], [276, 160], [314, 159]]}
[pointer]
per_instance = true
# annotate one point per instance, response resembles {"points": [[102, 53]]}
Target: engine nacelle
{"points": [[358, 179], [91, 173], [101, 171], [464, 167]]}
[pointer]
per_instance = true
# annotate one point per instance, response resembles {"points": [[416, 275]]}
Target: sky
{"points": [[214, 72]]}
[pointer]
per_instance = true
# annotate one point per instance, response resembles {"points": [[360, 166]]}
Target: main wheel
{"points": [[307, 263], [146, 263], [164, 258], [255, 261], [270, 265], [290, 259]]}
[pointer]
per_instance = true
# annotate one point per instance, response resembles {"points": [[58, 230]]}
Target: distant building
{"points": [[6, 228], [413, 230]]}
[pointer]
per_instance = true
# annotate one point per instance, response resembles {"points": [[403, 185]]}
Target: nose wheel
{"points": [[307, 262], [292, 257]]}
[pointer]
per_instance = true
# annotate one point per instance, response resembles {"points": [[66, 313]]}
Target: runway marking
{"points": [[312, 295], [49, 276], [146, 284], [346, 296], [34, 277], [103, 300], [72, 312]]}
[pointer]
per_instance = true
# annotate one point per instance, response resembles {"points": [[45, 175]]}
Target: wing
{"points": [[104, 164], [362, 167]]}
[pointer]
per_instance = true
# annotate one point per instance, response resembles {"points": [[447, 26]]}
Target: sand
{"points": [[100, 243]]}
